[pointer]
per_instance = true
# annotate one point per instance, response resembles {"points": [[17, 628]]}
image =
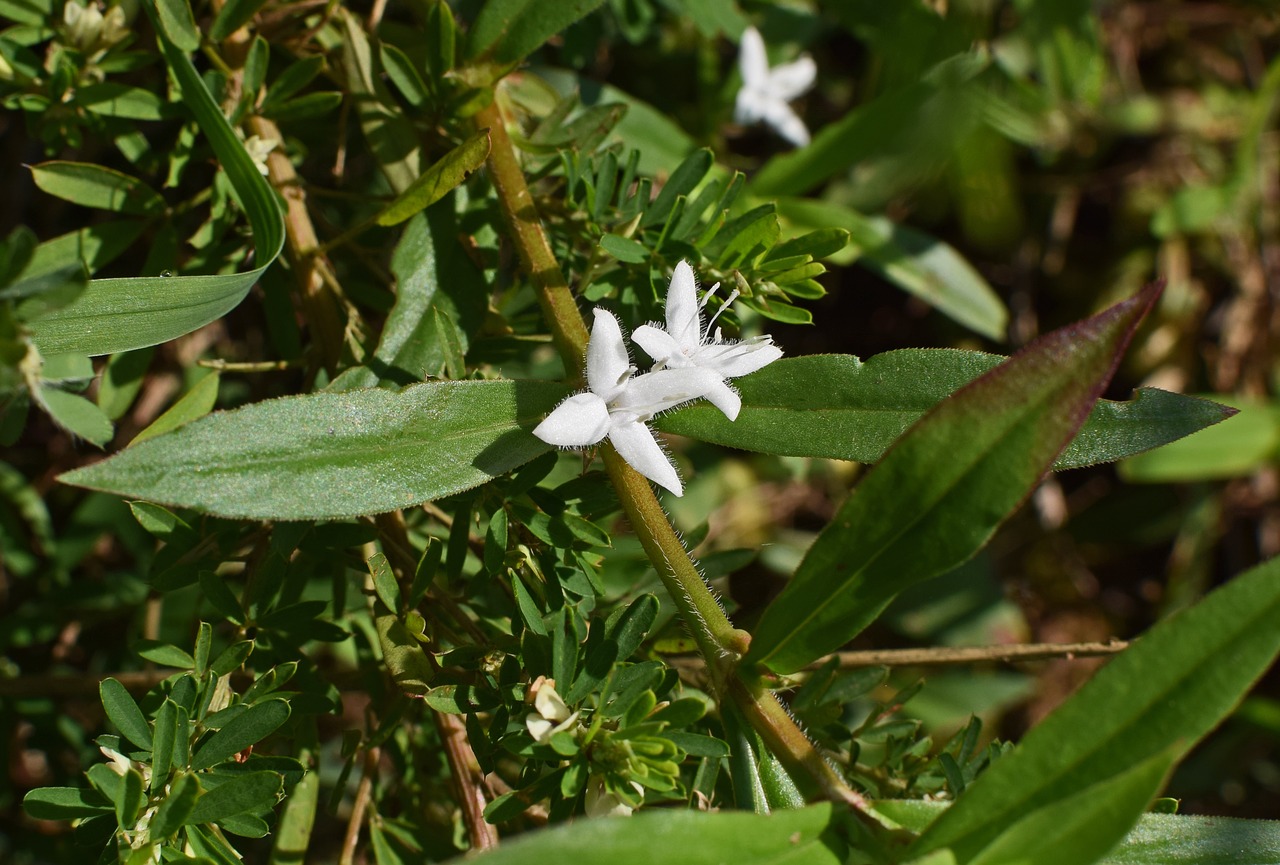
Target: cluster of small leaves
{"points": [[183, 771], [597, 195]]}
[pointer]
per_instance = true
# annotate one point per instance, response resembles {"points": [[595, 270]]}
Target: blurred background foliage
{"points": [[1053, 155]]}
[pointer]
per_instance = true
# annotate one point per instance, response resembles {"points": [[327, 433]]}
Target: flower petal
{"points": [[753, 62], [736, 359], [549, 704], [659, 345], [786, 122], [684, 316], [579, 421], [725, 398], [791, 79], [636, 445], [607, 363], [648, 394]]}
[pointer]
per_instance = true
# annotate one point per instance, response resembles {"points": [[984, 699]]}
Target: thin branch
{"points": [[364, 795], [951, 655], [467, 780]]}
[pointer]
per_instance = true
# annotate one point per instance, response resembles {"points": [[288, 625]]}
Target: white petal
{"points": [[648, 394], [753, 62], [725, 398], [740, 358], [746, 108], [786, 122], [579, 421], [636, 445], [791, 79], [684, 317], [600, 802], [549, 703], [539, 727], [658, 344], [607, 361]]}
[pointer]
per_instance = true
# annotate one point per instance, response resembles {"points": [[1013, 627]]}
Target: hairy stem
{"points": [[557, 302], [720, 643]]}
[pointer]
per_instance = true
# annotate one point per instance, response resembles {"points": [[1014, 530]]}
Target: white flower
{"points": [[687, 343], [259, 149], [88, 29], [618, 404], [552, 715], [601, 802], [765, 92]]}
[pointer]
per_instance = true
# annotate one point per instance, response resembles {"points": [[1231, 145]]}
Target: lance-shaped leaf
{"points": [[333, 455], [506, 31], [113, 315], [700, 839], [438, 180], [941, 491], [838, 407], [1174, 685]]}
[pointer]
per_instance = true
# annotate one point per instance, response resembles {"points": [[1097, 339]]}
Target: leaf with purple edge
{"points": [[940, 493]]}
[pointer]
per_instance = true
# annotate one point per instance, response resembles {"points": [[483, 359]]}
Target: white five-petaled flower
{"points": [[765, 92], [618, 404], [551, 715], [688, 343]]}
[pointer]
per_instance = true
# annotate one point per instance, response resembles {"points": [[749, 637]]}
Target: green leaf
{"points": [[936, 498], [437, 181], [166, 735], [129, 805], [303, 107], [64, 803], [404, 656], [700, 839], [164, 654], [624, 249], [96, 246], [1081, 828], [1166, 691], [248, 728], [121, 380], [330, 455], [124, 713], [506, 31], [112, 99], [918, 263], [233, 15], [76, 415], [1250, 441], [839, 407], [178, 24], [404, 75], [250, 793], [1158, 839], [384, 581], [195, 403], [114, 315], [96, 186], [176, 807]]}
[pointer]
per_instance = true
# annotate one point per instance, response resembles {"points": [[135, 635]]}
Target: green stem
{"points": [[558, 305], [720, 643]]}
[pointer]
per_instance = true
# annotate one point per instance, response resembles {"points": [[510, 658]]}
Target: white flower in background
{"points": [[619, 404], [765, 92], [686, 342], [600, 802], [259, 149], [551, 715], [87, 28]]}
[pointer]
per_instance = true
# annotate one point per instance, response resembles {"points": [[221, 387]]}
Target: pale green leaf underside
{"points": [[114, 315], [686, 837], [839, 407], [1158, 839], [335, 455]]}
